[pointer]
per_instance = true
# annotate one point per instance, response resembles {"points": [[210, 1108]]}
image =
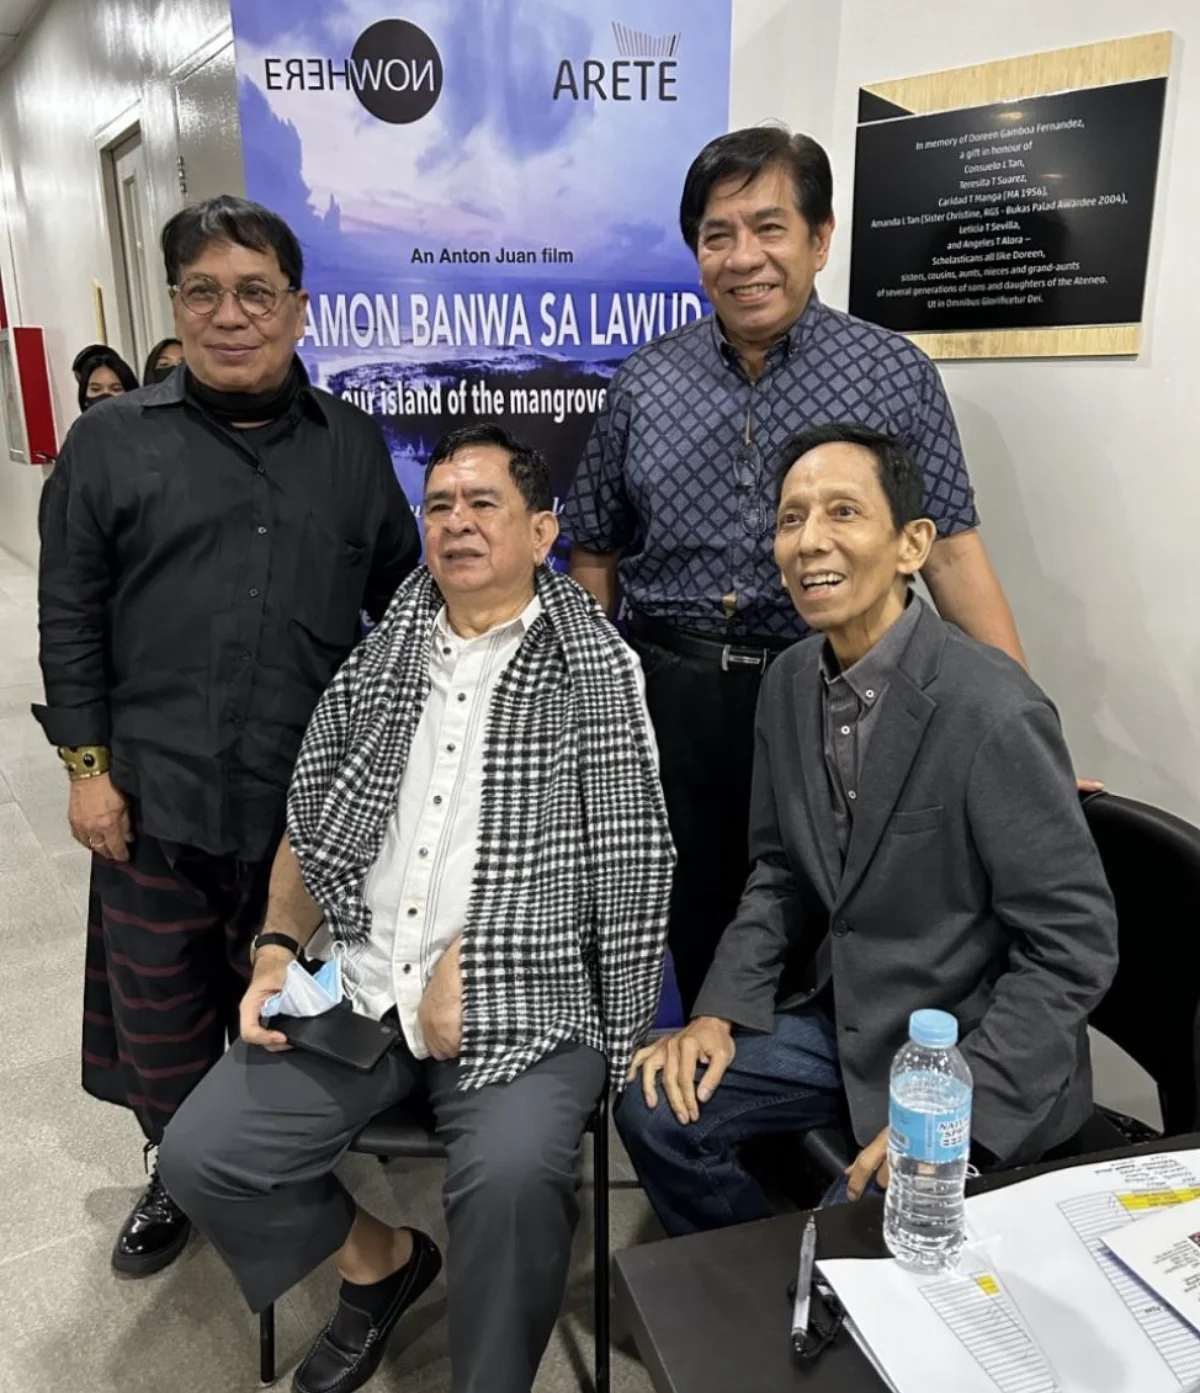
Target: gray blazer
{"points": [[971, 883]]}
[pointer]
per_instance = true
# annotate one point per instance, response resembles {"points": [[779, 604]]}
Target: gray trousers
{"points": [[249, 1157]]}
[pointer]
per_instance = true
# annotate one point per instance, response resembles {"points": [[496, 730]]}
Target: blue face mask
{"points": [[307, 993]]}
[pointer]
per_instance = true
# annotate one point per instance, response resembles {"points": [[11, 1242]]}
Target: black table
{"points": [[710, 1314]]}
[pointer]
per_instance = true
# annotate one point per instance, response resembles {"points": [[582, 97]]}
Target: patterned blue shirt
{"points": [[679, 471]]}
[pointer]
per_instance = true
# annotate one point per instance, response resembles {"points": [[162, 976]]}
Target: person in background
{"points": [[673, 494], [917, 841], [161, 362], [476, 814], [101, 374], [208, 544]]}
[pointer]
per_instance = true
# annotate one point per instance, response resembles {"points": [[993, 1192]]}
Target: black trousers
{"points": [[168, 960], [704, 723]]}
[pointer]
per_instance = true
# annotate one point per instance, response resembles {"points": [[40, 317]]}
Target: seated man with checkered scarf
{"points": [[477, 817]]}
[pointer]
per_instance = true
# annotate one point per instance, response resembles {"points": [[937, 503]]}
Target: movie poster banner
{"points": [[487, 194]]}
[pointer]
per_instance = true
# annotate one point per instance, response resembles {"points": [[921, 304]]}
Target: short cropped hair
{"points": [[527, 466], [226, 219], [900, 475], [747, 153]]}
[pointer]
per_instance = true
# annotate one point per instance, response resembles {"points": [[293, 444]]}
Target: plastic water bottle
{"points": [[929, 1141]]}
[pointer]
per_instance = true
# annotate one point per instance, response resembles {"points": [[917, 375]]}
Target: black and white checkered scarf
{"points": [[567, 919]]}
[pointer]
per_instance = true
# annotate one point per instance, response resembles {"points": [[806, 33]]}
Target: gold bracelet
{"points": [[85, 761]]}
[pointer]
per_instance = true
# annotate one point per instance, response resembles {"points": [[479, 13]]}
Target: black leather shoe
{"points": [[154, 1234], [347, 1352]]}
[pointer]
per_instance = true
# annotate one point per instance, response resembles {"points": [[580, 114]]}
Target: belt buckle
{"points": [[742, 659]]}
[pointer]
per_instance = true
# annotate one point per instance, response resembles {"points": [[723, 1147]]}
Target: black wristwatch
{"points": [[274, 940]]}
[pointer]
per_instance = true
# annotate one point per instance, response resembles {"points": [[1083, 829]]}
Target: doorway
{"points": [[125, 167]]}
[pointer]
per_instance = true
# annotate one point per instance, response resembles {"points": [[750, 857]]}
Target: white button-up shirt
{"points": [[419, 888]]}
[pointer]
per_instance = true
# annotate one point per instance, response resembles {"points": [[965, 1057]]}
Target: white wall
{"points": [[20, 489], [785, 64], [83, 65], [1086, 471]]}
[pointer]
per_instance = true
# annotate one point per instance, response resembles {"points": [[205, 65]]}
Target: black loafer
{"points": [[347, 1352], [155, 1233]]}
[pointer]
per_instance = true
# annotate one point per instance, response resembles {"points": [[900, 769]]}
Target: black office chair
{"points": [[1152, 861], [1152, 1009], [406, 1132]]}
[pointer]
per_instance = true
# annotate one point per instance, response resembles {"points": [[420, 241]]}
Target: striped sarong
{"points": [[167, 963]]}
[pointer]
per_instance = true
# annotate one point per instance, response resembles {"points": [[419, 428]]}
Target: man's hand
{"points": [[270, 968], [1090, 785], [708, 1040], [440, 1013], [99, 817], [871, 1161]]}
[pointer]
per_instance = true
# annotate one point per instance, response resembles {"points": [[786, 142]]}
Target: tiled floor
{"points": [[70, 1167]]}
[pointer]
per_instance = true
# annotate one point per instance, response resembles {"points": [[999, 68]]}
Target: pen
{"points": [[808, 1252]]}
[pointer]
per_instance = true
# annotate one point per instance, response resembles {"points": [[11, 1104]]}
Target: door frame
{"points": [[106, 141], [199, 56], [131, 169]]}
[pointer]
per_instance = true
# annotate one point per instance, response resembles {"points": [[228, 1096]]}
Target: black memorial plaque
{"points": [[1016, 215]]}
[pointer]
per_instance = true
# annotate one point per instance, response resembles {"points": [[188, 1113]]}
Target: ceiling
{"points": [[14, 14]]}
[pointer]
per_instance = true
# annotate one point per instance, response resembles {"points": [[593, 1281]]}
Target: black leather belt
{"points": [[750, 652]]}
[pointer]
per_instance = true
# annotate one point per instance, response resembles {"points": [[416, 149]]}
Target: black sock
{"points": [[374, 1297]]}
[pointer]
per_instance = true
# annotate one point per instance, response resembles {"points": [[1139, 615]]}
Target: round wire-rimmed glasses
{"points": [[204, 297]]}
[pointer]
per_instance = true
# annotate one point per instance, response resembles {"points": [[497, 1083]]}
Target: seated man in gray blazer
{"points": [[916, 841]]}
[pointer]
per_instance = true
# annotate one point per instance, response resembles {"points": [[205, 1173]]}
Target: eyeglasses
{"points": [[747, 472], [203, 297]]}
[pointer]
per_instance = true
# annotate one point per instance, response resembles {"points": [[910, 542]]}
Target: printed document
{"points": [[1164, 1251], [1039, 1303]]}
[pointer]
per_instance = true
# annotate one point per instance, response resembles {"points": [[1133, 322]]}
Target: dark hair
{"points": [[748, 152], [148, 370], [900, 475], [97, 355], [235, 220], [527, 466], [84, 354]]}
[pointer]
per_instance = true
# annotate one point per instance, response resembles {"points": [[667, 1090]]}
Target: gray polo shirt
{"points": [[851, 702]]}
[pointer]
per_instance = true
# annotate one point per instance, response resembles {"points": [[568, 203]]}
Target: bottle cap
{"points": [[934, 1029]]}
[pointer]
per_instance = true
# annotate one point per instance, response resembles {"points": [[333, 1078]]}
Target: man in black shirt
{"points": [[208, 545]]}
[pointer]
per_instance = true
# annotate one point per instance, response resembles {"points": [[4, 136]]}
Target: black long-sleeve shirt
{"points": [[199, 586]]}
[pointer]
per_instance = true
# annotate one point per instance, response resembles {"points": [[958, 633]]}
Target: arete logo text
{"points": [[644, 72]]}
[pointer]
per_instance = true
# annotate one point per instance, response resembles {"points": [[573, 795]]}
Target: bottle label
{"points": [[937, 1137]]}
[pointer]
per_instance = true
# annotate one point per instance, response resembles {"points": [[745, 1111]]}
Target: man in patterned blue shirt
{"points": [[673, 494]]}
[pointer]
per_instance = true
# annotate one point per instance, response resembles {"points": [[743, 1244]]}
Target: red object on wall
{"points": [[30, 348]]}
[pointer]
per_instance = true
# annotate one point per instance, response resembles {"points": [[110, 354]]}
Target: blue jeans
{"points": [[788, 1081]]}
